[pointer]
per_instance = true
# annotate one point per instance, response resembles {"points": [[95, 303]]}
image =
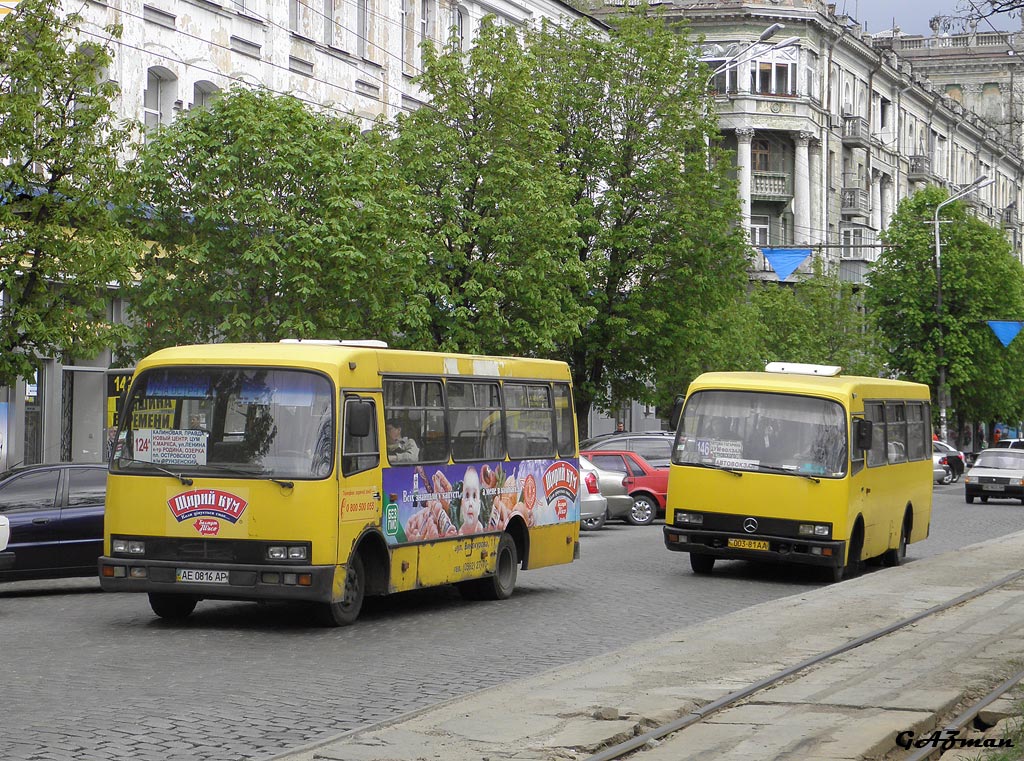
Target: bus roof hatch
{"points": [[798, 368]]}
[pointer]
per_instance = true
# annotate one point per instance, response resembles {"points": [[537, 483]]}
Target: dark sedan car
{"points": [[56, 517]]}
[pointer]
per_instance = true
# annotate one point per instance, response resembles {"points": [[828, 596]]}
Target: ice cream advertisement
{"points": [[426, 502]]}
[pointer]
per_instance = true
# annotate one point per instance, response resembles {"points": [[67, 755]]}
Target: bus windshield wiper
{"points": [[256, 473], [788, 472], [712, 466], [185, 480]]}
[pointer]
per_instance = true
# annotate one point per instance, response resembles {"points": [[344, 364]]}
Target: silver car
{"points": [[593, 505], [613, 487]]}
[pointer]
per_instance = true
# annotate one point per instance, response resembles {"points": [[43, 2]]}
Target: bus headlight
{"points": [[689, 519], [128, 546], [281, 552], [812, 529]]}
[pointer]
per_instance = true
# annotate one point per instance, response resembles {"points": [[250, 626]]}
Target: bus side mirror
{"points": [[862, 434], [677, 409], [358, 418]]}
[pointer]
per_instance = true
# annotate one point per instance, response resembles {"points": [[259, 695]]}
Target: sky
{"points": [[912, 16]]}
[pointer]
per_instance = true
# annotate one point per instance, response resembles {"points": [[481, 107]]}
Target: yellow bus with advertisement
{"points": [[799, 464], [325, 471]]}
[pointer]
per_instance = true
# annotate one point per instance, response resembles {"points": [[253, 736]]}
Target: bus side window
{"points": [[359, 453], [875, 412]]}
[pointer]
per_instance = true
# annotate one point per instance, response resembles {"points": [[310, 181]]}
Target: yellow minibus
{"points": [[799, 464], [325, 471]]}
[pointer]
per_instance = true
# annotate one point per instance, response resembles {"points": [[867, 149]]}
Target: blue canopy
{"points": [[785, 260], [1005, 330]]}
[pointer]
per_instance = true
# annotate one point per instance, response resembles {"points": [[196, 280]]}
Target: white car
{"points": [[996, 474], [6, 558]]}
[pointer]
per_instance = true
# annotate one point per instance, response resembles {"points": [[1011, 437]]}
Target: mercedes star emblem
{"points": [[750, 525]]}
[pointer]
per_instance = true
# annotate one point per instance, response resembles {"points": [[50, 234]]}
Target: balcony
{"points": [[1009, 217], [920, 169], [771, 186], [854, 202], [855, 132]]}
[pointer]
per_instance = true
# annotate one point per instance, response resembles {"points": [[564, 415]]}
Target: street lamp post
{"points": [[978, 184]]}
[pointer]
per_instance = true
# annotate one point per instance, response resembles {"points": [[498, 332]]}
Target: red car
{"points": [[645, 483]]}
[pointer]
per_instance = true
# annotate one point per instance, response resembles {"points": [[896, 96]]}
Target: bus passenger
{"points": [[401, 448]]}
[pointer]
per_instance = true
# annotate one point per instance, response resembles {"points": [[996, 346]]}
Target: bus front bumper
{"points": [[228, 581], [773, 549]]}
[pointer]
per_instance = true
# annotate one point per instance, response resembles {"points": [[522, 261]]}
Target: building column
{"points": [[802, 189], [743, 137], [876, 199]]}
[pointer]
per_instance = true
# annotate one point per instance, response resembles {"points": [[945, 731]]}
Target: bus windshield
{"points": [[766, 432], [247, 422]]}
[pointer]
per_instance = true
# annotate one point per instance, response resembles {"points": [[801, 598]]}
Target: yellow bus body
{"points": [[871, 506], [178, 511]]}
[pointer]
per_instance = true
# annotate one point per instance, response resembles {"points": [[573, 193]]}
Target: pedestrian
{"points": [[619, 428], [996, 436]]}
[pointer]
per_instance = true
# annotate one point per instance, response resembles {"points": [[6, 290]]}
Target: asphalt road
{"points": [[86, 675]]}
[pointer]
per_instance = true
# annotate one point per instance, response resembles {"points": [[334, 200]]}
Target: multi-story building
{"points": [[356, 58], [830, 131]]}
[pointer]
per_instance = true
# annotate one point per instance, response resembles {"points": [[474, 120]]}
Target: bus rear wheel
{"points": [[895, 557], [172, 607], [500, 585], [345, 612], [702, 564]]}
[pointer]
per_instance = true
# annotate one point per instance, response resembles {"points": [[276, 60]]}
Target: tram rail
{"points": [[736, 697]]}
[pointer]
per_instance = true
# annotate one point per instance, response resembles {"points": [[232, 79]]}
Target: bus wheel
{"points": [[500, 585], [172, 607], [893, 558], [346, 612], [643, 510], [702, 564]]}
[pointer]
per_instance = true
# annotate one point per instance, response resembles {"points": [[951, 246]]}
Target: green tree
{"points": [[657, 216], [271, 221], [820, 320], [981, 280], [503, 275], [62, 252]]}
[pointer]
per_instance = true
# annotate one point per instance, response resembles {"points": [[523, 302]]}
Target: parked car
{"points": [[56, 519], [998, 473], [1010, 444], [6, 558], [951, 456], [613, 489], [653, 446], [941, 473], [645, 483], [593, 505]]}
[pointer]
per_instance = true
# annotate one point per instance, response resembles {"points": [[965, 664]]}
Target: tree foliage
{"points": [[503, 275], [656, 215], [981, 280], [62, 252], [271, 221], [819, 320]]}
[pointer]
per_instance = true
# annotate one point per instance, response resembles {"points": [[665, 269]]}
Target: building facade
{"points": [[833, 130]]}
